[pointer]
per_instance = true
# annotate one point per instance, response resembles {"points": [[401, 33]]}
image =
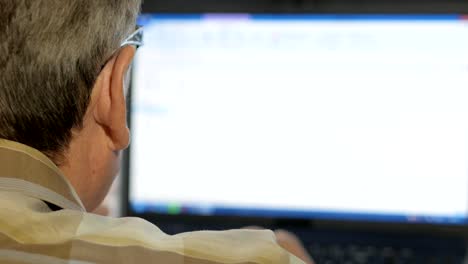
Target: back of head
{"points": [[51, 52]]}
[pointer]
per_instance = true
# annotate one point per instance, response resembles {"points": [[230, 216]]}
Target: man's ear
{"points": [[110, 111]]}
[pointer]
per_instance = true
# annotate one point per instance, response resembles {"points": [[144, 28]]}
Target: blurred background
{"points": [[345, 122]]}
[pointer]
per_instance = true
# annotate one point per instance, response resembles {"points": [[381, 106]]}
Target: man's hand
{"points": [[293, 245], [290, 243]]}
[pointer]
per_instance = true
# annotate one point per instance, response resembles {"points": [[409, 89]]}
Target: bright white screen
{"points": [[347, 115]]}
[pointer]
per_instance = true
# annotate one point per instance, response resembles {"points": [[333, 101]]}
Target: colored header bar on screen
{"points": [[145, 18]]}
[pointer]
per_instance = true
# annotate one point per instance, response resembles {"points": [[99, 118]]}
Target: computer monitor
{"points": [[341, 117]]}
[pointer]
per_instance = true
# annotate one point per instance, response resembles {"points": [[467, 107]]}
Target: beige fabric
{"points": [[30, 232]]}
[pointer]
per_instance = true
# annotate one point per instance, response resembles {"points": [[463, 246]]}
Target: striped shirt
{"points": [[42, 220]]}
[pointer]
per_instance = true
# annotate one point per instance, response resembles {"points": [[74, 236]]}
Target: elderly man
{"points": [[63, 70]]}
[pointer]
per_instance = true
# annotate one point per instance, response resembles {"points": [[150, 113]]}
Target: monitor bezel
{"points": [[399, 7]]}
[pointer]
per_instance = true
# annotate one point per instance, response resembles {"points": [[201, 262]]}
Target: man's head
{"points": [[62, 74]]}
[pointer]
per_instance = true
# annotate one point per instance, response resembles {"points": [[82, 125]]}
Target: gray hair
{"points": [[51, 52]]}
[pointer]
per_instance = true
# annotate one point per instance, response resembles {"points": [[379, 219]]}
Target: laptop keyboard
{"points": [[350, 247], [353, 254]]}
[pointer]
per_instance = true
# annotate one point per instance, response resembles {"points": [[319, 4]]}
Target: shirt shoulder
{"points": [[31, 232]]}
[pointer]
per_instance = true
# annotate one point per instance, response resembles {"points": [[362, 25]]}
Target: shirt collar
{"points": [[28, 171]]}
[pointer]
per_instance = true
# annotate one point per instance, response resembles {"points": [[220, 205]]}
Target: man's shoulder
{"points": [[29, 227]]}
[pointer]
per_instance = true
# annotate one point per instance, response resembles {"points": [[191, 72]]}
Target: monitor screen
{"points": [[349, 117]]}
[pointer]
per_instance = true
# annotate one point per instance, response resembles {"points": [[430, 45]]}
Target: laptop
{"points": [[349, 129]]}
